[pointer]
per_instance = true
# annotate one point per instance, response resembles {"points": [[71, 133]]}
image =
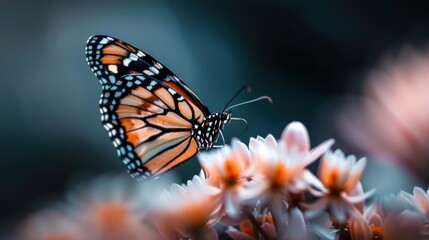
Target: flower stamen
{"points": [[376, 231]]}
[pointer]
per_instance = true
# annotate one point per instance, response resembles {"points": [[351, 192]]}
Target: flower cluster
{"points": [[401, 216], [263, 190], [111, 207]]}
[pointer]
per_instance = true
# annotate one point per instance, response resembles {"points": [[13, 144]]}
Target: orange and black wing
{"points": [[149, 123], [110, 59]]}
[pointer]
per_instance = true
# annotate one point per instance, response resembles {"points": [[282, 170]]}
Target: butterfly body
{"points": [[208, 131], [154, 120]]}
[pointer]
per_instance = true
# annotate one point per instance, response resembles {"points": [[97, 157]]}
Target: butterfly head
{"points": [[224, 118], [207, 132]]}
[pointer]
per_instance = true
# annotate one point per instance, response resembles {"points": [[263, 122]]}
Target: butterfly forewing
{"points": [[154, 120], [149, 124], [110, 59]]}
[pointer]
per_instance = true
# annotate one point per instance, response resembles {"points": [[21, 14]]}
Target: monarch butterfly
{"points": [[154, 120]]}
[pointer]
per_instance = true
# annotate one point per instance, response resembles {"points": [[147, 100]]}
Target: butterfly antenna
{"points": [[247, 88], [241, 119], [251, 101]]}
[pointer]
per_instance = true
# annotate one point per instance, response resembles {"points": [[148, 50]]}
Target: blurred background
{"points": [[356, 71]]}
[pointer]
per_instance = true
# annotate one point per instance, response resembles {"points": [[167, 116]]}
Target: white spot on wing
{"points": [[126, 62], [133, 57], [140, 54], [147, 72], [113, 68], [158, 65], [104, 41], [154, 70]]}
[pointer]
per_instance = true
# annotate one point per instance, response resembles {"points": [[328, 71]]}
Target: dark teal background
{"points": [[306, 55]]}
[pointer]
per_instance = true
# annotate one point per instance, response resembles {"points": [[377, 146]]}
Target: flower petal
{"points": [[295, 136], [297, 228], [338, 210], [421, 200], [315, 209], [232, 206], [269, 230], [355, 174], [358, 198], [312, 180], [359, 229], [319, 150]]}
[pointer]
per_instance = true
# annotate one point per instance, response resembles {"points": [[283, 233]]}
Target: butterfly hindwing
{"points": [[149, 123], [110, 59]]}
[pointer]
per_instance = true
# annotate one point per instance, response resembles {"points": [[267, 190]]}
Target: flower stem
{"points": [[343, 233], [256, 226]]}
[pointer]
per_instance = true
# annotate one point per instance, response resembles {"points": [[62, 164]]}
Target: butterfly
{"points": [[153, 118]]}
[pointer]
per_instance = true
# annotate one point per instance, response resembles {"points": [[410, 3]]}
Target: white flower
{"points": [[189, 210], [342, 194], [227, 168], [279, 168], [49, 224], [390, 220], [115, 207]]}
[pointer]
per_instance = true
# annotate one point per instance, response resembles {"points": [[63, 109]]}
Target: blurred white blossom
{"points": [[390, 219], [190, 210], [391, 121], [109, 207]]}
